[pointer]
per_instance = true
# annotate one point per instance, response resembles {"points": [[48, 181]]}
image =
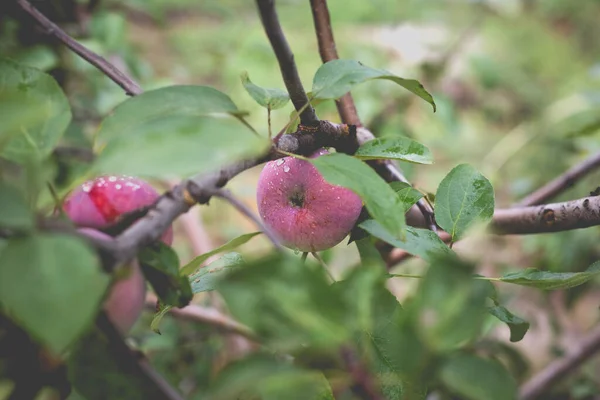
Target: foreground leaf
{"points": [[190, 267], [518, 326], [34, 112], [475, 378], [551, 280], [52, 285], [381, 201], [395, 148], [418, 242], [463, 198], [337, 77], [177, 130], [14, 212], [268, 98]]}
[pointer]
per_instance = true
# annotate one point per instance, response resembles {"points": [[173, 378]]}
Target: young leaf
{"points": [[14, 212], [52, 286], [475, 378], [207, 277], [418, 242], [34, 112], [337, 77], [551, 280], [190, 267], [463, 198], [395, 148], [177, 130], [160, 266], [408, 195], [518, 326], [268, 98], [380, 200]]}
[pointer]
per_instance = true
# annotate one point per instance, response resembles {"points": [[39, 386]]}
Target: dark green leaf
{"points": [[552, 280], [463, 198], [207, 277], [336, 78], [475, 378], [395, 148], [160, 265], [52, 285], [418, 242], [175, 130], [268, 98], [14, 212], [408, 195], [34, 112], [190, 267], [380, 200], [518, 326]]}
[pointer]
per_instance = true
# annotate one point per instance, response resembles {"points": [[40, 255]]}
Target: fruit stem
{"points": [[325, 267]]}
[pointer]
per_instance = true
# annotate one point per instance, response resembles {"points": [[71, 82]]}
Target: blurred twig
{"points": [[363, 385], [561, 368]]}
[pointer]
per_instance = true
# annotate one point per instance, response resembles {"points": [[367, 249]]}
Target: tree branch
{"points": [[363, 385], [562, 367], [285, 58], [562, 182], [131, 88]]}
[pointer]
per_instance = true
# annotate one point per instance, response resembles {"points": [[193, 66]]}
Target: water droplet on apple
{"points": [[286, 169], [280, 161]]}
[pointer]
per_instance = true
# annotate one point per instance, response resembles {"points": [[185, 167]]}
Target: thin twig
{"points": [[561, 368], [131, 88], [363, 385], [322, 262], [285, 58], [562, 182], [241, 207]]}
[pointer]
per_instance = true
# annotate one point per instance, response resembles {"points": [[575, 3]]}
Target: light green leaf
{"points": [[207, 277], [268, 98], [551, 280], [14, 212], [34, 112], [381, 201], [177, 130], [156, 320], [418, 242], [475, 378], [408, 195], [52, 285], [395, 148], [518, 326], [190, 267], [336, 78], [463, 198]]}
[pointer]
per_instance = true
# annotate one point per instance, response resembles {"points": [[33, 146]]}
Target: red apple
{"points": [[301, 208]]}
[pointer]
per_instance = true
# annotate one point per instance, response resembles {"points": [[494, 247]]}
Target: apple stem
{"points": [[304, 255], [325, 267]]}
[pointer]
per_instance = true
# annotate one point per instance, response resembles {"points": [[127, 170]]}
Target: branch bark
{"points": [[562, 367], [285, 58]]}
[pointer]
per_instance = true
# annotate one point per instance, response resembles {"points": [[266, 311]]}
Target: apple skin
{"points": [[127, 296], [301, 208], [101, 201]]}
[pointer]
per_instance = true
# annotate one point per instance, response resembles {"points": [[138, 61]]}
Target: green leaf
{"points": [[395, 148], [408, 195], [160, 266], [380, 199], [551, 280], [156, 320], [475, 378], [177, 130], [336, 78], [268, 98], [207, 277], [190, 267], [52, 285], [518, 326], [288, 304], [418, 242], [14, 212], [34, 112], [463, 198]]}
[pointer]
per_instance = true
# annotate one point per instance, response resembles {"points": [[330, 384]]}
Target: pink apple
{"points": [[301, 208], [127, 296], [101, 201]]}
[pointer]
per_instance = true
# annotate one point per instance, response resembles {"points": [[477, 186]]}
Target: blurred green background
{"points": [[517, 84]]}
